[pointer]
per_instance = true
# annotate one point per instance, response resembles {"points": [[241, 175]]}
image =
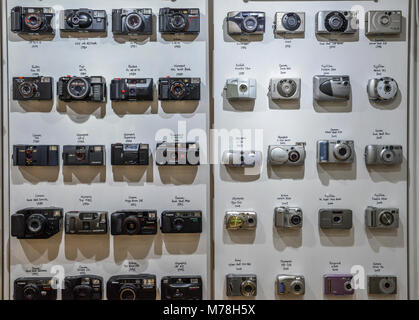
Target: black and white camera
{"points": [[340, 151], [132, 21], [382, 285], [281, 155], [36, 155], [383, 155], [130, 89], [240, 220], [289, 23], [36, 223], [382, 218], [181, 222], [81, 89], [181, 288], [384, 22], [32, 88], [35, 288], [131, 287], [285, 89], [331, 88], [290, 285], [340, 219], [179, 89], [241, 89], [86, 222], [246, 22], [130, 154], [336, 22], [83, 20], [382, 89], [84, 287], [84, 155], [288, 218], [183, 21], [134, 222], [28, 20], [177, 154], [241, 159], [241, 285]]}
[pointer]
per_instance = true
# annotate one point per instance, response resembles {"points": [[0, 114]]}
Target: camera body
{"points": [[241, 159], [132, 89], [383, 89], [240, 220], [241, 285], [132, 21], [331, 88], [35, 288], [246, 22], [285, 89], [382, 285], [36, 155], [337, 151], [131, 287], [179, 89], [83, 287], [36, 223], [28, 20], [338, 284], [177, 154], [134, 222], [382, 218], [181, 288], [241, 89], [86, 222], [282, 155], [32, 88], [83, 20], [336, 219], [289, 23], [288, 218], [130, 154], [290, 285], [384, 22], [81, 89], [336, 22], [181, 222], [383, 155], [82, 155], [183, 21]]}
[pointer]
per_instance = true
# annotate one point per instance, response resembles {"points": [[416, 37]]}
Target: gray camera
{"points": [[287, 155], [383, 89], [340, 151], [240, 220], [285, 89], [340, 219], [382, 285], [241, 159], [290, 285], [241, 285], [383, 22], [383, 155], [246, 22], [331, 88], [288, 218], [382, 218], [241, 89], [336, 22], [289, 22]]}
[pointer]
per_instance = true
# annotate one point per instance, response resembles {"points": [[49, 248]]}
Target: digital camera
{"points": [[382, 285], [331, 88], [336, 22], [241, 159], [132, 21], [139, 89], [84, 155], [338, 284], [86, 222], [84, 287], [181, 288], [290, 285], [36, 155], [245, 22], [382, 218], [130, 154], [288, 218], [289, 22], [32, 20], [241, 89], [241, 285], [83, 20], [240, 220], [36, 288], [287, 155], [383, 155], [285, 89], [81, 89], [36, 223], [184, 21], [338, 219], [383, 89], [340, 151], [179, 89], [32, 88], [177, 154], [181, 222], [134, 222], [384, 22], [131, 287]]}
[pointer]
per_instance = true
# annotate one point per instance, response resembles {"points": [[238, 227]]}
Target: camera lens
{"points": [[178, 224], [243, 87], [386, 218], [83, 292], [35, 223], [33, 21], [178, 90], [387, 285], [127, 293], [80, 19], [297, 287], [130, 226], [78, 88], [336, 22], [287, 88], [250, 24], [178, 22], [387, 156], [296, 220], [337, 219], [248, 288], [291, 21], [134, 21], [294, 156], [385, 20], [342, 152], [30, 292], [27, 89], [348, 286]]}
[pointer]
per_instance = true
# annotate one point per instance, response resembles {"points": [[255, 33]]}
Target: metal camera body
{"points": [[32, 88], [335, 151], [241, 89], [179, 89], [331, 88], [241, 285], [131, 287], [83, 20], [130, 154], [86, 222], [290, 155], [84, 155], [382, 89], [285, 88], [177, 154], [132, 21], [288, 218], [132, 89], [36, 155], [181, 288], [336, 22], [384, 22], [246, 22], [82, 287], [382, 218], [289, 22], [134, 222], [29, 20], [335, 219], [181, 222], [241, 159], [81, 89], [179, 21], [240, 220], [338, 284], [383, 155], [290, 285], [35, 288], [382, 285]]}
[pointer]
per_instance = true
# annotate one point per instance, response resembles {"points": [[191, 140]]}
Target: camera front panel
{"points": [[132, 287], [181, 288], [338, 219], [36, 155], [83, 288], [134, 222], [35, 288], [338, 284], [83, 155], [83, 20], [32, 88], [178, 89], [181, 222], [179, 21], [130, 154], [241, 285], [86, 222], [28, 20]]}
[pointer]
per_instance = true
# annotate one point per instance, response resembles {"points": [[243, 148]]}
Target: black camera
{"points": [[173, 20], [30, 289], [84, 155], [32, 88], [32, 20], [179, 89], [81, 89], [35, 155], [86, 222], [132, 89], [37, 223], [181, 288], [181, 222], [132, 222], [130, 154], [82, 288], [131, 287], [177, 154], [132, 21], [86, 20]]}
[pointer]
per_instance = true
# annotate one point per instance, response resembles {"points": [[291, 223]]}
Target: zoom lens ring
{"points": [[134, 21], [78, 88], [336, 22], [177, 90], [27, 89], [248, 288], [33, 21]]}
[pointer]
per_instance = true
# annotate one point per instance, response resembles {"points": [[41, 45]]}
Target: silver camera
{"points": [[342, 22], [383, 155], [382, 285], [241, 159], [340, 151], [331, 88], [289, 22], [287, 155], [240, 220], [383, 22], [290, 285], [246, 22], [285, 89], [340, 219], [241, 89], [383, 89], [288, 218], [382, 218], [239, 285]]}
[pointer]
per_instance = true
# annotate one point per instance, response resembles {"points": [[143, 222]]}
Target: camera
{"points": [[290, 285], [337, 219], [241, 89], [243, 220], [81, 89], [130, 154], [181, 288], [383, 155], [289, 22], [336, 22], [245, 22], [179, 89], [181, 222], [287, 155], [86, 222], [83, 20], [288, 218], [184, 21], [131, 287], [33, 289], [285, 89], [84, 155], [134, 222], [132, 21], [338, 284], [384, 22], [177, 154], [382, 218], [32, 88], [82, 287], [141, 89], [340, 151], [36, 223], [32, 20], [241, 159], [35, 155], [331, 88], [382, 285], [241, 285], [383, 89]]}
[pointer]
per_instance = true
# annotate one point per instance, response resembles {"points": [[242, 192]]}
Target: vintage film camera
{"points": [[285, 89], [131, 287], [289, 23], [134, 222], [32, 88], [243, 220], [35, 288], [340, 151], [181, 288], [245, 22], [26, 20], [86, 222], [177, 154], [282, 155], [81, 89], [132, 21], [181, 222], [84, 287], [241, 89], [331, 88], [83, 20], [183, 21], [384, 22], [382, 218], [36, 155], [336, 22], [383, 89], [176, 89], [241, 285], [132, 89], [241, 159], [288, 218], [130, 154], [382, 285], [383, 155], [290, 285], [338, 219], [84, 155], [338, 284]]}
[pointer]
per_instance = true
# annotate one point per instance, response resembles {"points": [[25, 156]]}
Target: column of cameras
{"points": [[336, 88], [43, 223]]}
